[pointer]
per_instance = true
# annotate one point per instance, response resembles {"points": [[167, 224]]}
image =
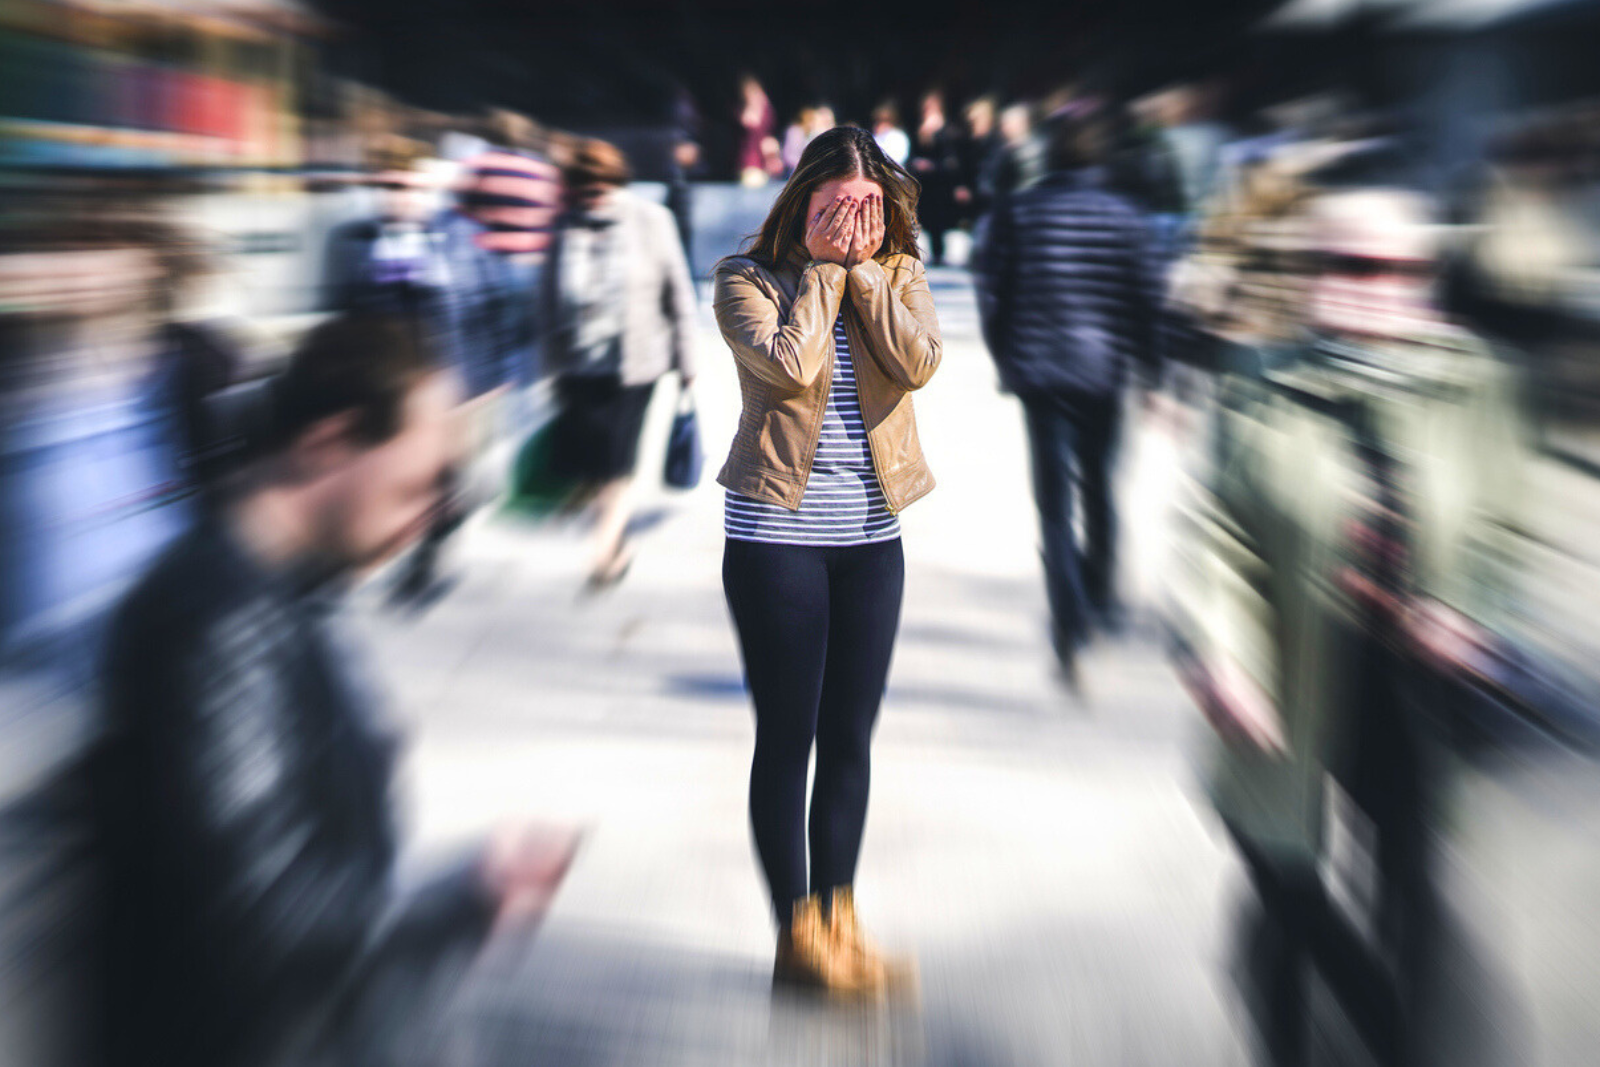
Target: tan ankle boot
{"points": [[808, 957], [895, 973]]}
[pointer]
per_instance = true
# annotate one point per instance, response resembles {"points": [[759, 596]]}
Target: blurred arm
{"points": [[294, 886], [992, 263], [678, 296], [1233, 622], [788, 355], [902, 327]]}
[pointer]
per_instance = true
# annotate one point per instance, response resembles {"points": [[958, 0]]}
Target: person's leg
{"points": [[626, 409], [866, 583], [613, 504], [1052, 439], [1408, 906], [1100, 423], [778, 596], [1281, 955]]}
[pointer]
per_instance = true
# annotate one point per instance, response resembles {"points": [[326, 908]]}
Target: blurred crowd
{"points": [[1360, 356]]}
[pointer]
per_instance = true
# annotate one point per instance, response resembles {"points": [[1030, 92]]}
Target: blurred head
{"points": [[1015, 123], [511, 129], [822, 118], [885, 118], [844, 160], [1377, 257], [68, 264], [933, 104], [364, 431], [1077, 140], [980, 117], [395, 171], [596, 169]]}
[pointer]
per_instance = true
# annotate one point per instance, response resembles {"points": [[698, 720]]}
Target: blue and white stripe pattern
{"points": [[843, 502]]}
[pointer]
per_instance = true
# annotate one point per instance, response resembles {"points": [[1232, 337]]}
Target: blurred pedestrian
{"points": [[810, 122], [759, 158], [1017, 159], [494, 241], [887, 132], [796, 137], [241, 799], [687, 162], [1066, 307], [832, 326], [1336, 635], [979, 141], [620, 306], [102, 423], [393, 261], [406, 261], [936, 163]]}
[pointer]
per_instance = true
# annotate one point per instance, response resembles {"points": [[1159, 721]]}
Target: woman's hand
{"points": [[832, 231], [868, 235]]}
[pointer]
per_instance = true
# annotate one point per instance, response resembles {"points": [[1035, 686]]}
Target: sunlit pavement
{"points": [[1068, 897]]}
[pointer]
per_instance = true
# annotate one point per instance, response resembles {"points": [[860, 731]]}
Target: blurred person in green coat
{"points": [[1351, 565]]}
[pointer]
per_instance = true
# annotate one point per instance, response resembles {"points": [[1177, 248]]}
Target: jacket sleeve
{"points": [[788, 355], [281, 884], [677, 296], [992, 263], [902, 328], [1220, 593]]}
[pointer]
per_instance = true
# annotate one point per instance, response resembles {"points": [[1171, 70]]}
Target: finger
{"points": [[841, 218], [877, 216], [847, 218], [826, 216]]}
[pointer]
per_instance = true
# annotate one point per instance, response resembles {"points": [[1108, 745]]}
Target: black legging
{"points": [[816, 629]]}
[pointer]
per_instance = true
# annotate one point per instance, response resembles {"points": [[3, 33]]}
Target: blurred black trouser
{"points": [[816, 629], [1299, 928], [1388, 766], [1071, 442], [1391, 770]]}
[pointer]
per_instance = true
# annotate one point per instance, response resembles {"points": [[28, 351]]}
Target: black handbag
{"points": [[684, 455]]}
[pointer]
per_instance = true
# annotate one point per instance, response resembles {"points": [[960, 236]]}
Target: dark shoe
{"points": [[1067, 672]]}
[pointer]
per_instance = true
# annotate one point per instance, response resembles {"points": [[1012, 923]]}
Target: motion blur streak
{"points": [[367, 690]]}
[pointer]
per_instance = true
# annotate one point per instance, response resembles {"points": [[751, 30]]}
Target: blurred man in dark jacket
{"points": [[1066, 309], [242, 789]]}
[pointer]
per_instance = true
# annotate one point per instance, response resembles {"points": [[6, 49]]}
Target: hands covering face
{"points": [[848, 231]]}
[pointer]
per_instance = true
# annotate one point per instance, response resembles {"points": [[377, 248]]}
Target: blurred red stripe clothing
{"points": [[516, 198]]}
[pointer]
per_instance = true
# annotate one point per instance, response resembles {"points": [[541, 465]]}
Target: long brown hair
{"points": [[842, 152]]}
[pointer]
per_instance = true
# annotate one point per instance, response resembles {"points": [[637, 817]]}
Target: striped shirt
{"points": [[516, 198], [843, 502]]}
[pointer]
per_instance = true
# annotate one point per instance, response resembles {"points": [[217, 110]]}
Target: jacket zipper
{"points": [[855, 346]]}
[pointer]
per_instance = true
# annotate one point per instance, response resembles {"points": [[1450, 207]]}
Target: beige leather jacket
{"points": [[779, 324]]}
